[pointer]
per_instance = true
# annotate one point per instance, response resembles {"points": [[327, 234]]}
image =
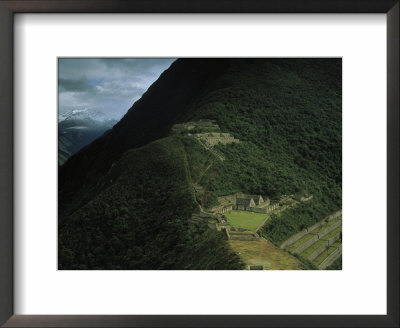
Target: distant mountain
{"points": [[78, 130], [125, 201], [83, 114]]}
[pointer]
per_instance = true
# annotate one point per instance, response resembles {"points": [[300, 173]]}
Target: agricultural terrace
{"points": [[326, 253], [266, 254], [245, 219]]}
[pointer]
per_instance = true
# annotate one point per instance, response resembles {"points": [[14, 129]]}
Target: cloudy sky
{"points": [[108, 86]]}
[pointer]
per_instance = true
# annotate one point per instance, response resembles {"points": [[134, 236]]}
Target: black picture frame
{"points": [[10, 7]]}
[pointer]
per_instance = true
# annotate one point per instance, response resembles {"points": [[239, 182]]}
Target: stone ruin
{"points": [[211, 139], [303, 197], [201, 124], [239, 201]]}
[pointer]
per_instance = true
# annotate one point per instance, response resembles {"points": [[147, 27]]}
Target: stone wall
{"points": [[211, 139], [228, 203], [257, 210], [222, 209], [333, 239], [306, 244], [331, 258], [248, 236], [226, 232], [266, 202], [304, 232], [318, 251], [242, 232], [318, 236], [294, 238], [329, 229], [262, 224], [201, 217], [327, 218], [334, 215], [272, 207], [244, 237]]}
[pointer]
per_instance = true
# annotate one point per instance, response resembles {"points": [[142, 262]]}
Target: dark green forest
{"points": [[125, 201], [140, 219]]}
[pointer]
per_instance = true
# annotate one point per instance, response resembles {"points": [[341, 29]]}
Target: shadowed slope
{"points": [[150, 118], [140, 218]]}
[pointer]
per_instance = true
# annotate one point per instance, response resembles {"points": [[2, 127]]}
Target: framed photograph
{"points": [[199, 164]]}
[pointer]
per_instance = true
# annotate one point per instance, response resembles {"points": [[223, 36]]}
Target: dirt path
{"points": [[190, 177], [204, 172], [211, 150]]}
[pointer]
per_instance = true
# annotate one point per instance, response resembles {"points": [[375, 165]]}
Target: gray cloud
{"points": [[74, 85], [106, 85]]}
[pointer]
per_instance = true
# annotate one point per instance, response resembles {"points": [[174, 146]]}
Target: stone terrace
{"points": [[214, 138], [320, 244]]}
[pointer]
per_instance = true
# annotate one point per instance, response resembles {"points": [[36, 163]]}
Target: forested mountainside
{"points": [[125, 201]]}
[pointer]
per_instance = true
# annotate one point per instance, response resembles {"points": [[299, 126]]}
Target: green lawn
{"points": [[244, 219]]}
